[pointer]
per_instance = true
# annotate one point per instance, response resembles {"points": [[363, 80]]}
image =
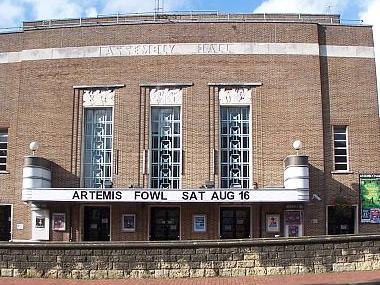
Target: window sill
{"points": [[4, 172], [342, 172]]}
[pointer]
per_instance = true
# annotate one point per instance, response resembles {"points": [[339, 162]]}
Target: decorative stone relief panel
{"points": [[98, 98], [166, 96], [235, 96]]}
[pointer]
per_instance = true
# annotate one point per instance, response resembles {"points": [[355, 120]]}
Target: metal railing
{"points": [[178, 17], [4, 30]]}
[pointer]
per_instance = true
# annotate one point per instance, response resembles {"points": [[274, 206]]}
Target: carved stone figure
{"points": [[235, 96], [101, 98], [166, 96]]}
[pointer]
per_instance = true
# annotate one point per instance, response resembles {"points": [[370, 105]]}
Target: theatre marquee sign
{"points": [[165, 196]]}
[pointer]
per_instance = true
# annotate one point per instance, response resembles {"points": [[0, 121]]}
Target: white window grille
{"points": [[3, 149], [235, 147], [340, 148], [165, 147], [98, 141]]}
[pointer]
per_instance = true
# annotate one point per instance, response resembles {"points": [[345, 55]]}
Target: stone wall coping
{"points": [[228, 84], [108, 86], [282, 241], [168, 84]]}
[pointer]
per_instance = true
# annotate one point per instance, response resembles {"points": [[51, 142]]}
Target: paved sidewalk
{"points": [[357, 277]]}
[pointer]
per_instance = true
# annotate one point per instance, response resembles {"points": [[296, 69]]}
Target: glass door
{"points": [[341, 220], [234, 223], [164, 223], [96, 224], [5, 223]]}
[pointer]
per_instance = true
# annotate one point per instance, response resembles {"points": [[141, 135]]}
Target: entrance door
{"points": [[164, 223], [5, 223], [341, 220], [96, 224], [234, 223]]}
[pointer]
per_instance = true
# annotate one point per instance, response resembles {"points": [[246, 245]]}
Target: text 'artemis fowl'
{"points": [[160, 195]]}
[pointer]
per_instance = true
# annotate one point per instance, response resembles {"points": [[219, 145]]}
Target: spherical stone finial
{"points": [[33, 146], [297, 144]]}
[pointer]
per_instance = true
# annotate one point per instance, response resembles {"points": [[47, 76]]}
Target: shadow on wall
{"points": [[338, 206], [62, 178], [329, 189]]}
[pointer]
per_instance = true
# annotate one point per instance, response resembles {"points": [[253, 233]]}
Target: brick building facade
{"points": [[181, 127]]}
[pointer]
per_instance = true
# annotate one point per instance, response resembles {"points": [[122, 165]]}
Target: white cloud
{"points": [[301, 6], [370, 16], [10, 13], [91, 12], [13, 12], [54, 9]]}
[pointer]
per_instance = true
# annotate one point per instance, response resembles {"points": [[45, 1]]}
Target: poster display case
{"points": [[293, 223], [369, 198]]}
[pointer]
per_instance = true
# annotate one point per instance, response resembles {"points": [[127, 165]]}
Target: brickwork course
{"points": [[299, 97]]}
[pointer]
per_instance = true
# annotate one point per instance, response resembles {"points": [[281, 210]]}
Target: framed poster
{"points": [[128, 223], [273, 223], [59, 221], [293, 217], [375, 216], [369, 198], [40, 222], [199, 223], [293, 231], [293, 223]]}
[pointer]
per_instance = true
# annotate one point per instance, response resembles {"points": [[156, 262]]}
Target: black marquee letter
{"points": [[76, 196]]}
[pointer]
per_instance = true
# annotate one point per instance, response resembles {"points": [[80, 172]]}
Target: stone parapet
{"points": [[182, 259]]}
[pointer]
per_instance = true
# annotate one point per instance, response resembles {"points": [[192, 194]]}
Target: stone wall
{"points": [[190, 259]]}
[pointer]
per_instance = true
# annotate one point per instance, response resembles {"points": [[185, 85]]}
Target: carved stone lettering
{"points": [[141, 49], [235, 96], [95, 98], [212, 48], [166, 96]]}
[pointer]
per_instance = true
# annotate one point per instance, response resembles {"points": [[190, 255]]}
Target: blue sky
{"points": [[14, 12], [241, 6]]}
